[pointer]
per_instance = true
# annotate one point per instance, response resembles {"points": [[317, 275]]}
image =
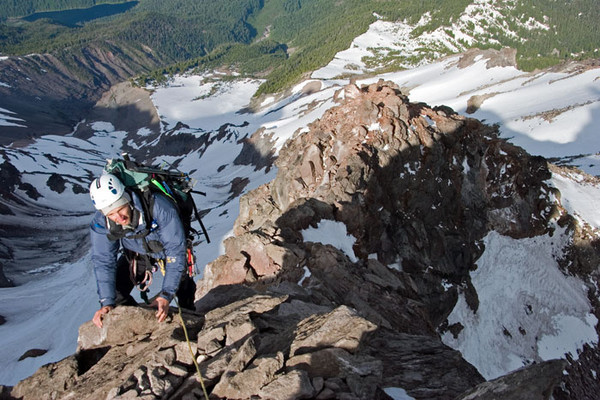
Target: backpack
{"points": [[146, 181]]}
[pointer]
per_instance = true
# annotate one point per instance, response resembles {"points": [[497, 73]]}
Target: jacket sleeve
{"points": [[104, 258], [172, 236]]}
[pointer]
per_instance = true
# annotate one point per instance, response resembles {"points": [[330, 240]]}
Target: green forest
{"points": [[281, 40]]}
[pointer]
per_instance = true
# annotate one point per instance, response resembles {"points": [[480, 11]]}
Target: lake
{"points": [[74, 17]]}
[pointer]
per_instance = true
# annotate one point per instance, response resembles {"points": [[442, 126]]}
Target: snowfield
{"points": [[548, 313], [555, 115]]}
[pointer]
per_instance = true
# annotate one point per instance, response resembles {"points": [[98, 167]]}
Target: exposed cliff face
{"points": [[280, 317], [51, 93]]}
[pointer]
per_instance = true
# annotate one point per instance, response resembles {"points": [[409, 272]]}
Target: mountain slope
{"points": [[217, 165], [421, 193], [55, 74]]}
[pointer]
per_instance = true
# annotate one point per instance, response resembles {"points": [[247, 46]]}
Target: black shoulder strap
{"points": [[147, 200], [198, 217]]}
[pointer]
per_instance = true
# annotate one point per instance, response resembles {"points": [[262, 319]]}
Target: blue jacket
{"points": [[167, 229]]}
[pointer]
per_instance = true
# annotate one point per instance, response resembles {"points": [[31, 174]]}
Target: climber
{"points": [[120, 223]]}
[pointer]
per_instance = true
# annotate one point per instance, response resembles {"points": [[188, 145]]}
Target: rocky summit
{"points": [[281, 317]]}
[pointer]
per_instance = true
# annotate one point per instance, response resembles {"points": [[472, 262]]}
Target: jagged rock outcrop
{"points": [[131, 353], [533, 383], [417, 187], [281, 317], [263, 345]]}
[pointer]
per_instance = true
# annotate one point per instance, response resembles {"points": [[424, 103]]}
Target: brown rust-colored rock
{"points": [[128, 355], [341, 328]]}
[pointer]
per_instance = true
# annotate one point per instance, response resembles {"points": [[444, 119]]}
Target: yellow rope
{"points": [[187, 339]]}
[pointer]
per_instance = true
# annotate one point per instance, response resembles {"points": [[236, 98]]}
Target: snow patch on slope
{"points": [[203, 101], [60, 303], [394, 44], [528, 311], [6, 116], [75, 160], [333, 233], [579, 198]]}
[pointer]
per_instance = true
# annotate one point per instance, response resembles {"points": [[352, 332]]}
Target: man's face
{"points": [[121, 215]]}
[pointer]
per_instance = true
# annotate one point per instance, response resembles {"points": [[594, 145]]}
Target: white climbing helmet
{"points": [[108, 193]]}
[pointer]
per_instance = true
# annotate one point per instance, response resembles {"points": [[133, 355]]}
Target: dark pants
{"points": [[185, 293]]}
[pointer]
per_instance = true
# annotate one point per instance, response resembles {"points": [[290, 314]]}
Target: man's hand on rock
{"points": [[98, 316], [163, 308]]}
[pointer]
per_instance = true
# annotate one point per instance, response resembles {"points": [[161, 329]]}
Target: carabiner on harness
{"points": [[146, 278]]}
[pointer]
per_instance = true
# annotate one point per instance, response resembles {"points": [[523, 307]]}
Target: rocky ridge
{"points": [[278, 317], [416, 186]]}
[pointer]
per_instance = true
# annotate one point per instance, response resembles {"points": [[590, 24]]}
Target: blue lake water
{"points": [[74, 17]]}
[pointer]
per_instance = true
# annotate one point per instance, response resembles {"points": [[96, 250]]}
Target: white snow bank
{"points": [[333, 233], [579, 198], [397, 393], [203, 102], [528, 309], [6, 116], [45, 314]]}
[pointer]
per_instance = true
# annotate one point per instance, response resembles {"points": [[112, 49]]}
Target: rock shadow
{"points": [[87, 358]]}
